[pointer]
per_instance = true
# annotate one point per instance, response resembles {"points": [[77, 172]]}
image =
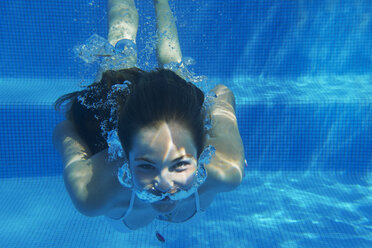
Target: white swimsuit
{"points": [[119, 224]]}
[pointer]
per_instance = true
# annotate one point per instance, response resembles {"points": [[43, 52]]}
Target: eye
{"points": [[181, 166], [146, 166]]}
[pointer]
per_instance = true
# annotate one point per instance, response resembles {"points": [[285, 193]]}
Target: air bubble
{"points": [[94, 48], [98, 49], [115, 149]]}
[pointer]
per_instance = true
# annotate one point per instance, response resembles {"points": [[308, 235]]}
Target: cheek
{"points": [[142, 179], [186, 177]]}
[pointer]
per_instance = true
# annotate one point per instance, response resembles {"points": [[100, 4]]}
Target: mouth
{"points": [[164, 205]]}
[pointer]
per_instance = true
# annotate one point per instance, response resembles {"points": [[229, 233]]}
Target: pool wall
{"points": [[227, 39], [302, 137]]}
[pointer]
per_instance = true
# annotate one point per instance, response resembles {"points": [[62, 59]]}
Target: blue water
{"points": [[301, 72]]}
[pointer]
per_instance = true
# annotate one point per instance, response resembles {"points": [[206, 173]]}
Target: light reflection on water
{"points": [[299, 209]]}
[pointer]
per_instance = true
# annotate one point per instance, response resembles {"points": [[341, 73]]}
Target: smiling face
{"points": [[163, 159]]}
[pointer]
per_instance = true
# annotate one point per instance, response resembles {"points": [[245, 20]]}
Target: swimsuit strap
{"points": [[197, 201], [130, 206]]}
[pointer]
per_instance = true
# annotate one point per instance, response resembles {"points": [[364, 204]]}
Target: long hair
{"points": [[155, 96]]}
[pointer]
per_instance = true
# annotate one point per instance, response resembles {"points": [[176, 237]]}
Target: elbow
{"points": [[79, 194], [87, 212], [234, 180], [231, 179], [84, 207]]}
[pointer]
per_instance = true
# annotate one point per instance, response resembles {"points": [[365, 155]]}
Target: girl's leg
{"points": [[168, 46], [123, 22]]}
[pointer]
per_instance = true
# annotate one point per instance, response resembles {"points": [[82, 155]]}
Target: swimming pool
{"points": [[301, 73]]}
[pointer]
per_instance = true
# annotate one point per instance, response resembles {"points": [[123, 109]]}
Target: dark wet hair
{"points": [[154, 96]]}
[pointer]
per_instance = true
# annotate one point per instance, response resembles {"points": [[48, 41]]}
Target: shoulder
{"points": [[93, 185], [224, 95], [69, 144], [90, 180], [225, 173]]}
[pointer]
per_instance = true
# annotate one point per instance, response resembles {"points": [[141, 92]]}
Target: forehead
{"points": [[165, 141]]}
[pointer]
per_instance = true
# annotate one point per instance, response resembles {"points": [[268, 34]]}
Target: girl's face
{"points": [[163, 160]]}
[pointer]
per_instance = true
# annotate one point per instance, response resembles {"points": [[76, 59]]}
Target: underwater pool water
{"points": [[301, 74], [305, 184], [268, 210]]}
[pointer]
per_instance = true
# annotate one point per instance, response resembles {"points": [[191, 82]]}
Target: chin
{"points": [[164, 206]]}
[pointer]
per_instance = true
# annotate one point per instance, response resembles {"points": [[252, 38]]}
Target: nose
{"points": [[164, 182]]}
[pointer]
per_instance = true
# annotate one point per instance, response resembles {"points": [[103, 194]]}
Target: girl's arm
{"points": [[89, 179], [227, 166]]}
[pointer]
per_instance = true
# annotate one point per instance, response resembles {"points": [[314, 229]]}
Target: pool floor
{"points": [[269, 209]]}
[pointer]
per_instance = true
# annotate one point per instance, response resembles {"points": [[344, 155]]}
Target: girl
{"points": [[173, 164]]}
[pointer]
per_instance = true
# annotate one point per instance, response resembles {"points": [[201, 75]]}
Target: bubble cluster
{"points": [[125, 176], [182, 70], [209, 99], [106, 112], [98, 49], [94, 48], [115, 149]]}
